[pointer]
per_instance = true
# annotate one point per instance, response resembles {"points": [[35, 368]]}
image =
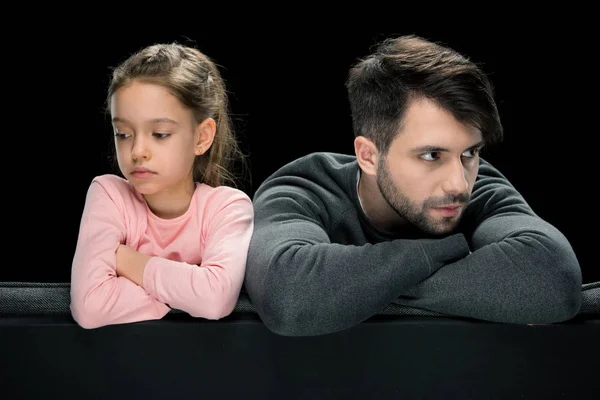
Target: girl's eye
{"points": [[120, 135]]}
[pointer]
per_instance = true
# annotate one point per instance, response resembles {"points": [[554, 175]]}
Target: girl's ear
{"points": [[205, 134]]}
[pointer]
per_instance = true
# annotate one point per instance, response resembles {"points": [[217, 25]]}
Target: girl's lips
{"points": [[142, 173]]}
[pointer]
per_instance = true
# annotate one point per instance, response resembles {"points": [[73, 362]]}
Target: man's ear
{"points": [[367, 155], [205, 134]]}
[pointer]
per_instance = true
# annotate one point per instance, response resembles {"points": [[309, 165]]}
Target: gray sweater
{"points": [[316, 265]]}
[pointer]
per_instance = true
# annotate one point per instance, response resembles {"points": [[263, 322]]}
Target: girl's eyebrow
{"points": [[154, 120]]}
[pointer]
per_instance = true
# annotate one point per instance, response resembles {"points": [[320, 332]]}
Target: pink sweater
{"points": [[198, 261]]}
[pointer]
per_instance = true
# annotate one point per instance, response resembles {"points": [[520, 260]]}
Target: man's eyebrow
{"points": [[477, 145], [429, 149], [154, 120], [438, 149]]}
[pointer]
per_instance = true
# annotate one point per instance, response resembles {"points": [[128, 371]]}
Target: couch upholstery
{"points": [[400, 353]]}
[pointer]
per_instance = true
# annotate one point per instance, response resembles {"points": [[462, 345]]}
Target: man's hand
{"points": [[131, 264]]}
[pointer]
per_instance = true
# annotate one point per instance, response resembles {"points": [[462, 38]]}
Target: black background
{"points": [[285, 74]]}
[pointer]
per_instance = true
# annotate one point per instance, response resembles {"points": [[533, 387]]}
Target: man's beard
{"points": [[415, 214]]}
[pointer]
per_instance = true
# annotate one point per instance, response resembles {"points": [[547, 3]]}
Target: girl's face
{"points": [[156, 139]]}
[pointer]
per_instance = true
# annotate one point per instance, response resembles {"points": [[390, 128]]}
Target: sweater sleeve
{"points": [[303, 284], [522, 269], [98, 296], [209, 290]]}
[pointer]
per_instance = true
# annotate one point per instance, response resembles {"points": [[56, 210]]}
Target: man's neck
{"points": [[374, 205]]}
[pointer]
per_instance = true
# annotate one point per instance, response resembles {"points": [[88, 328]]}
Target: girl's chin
{"points": [[146, 189]]}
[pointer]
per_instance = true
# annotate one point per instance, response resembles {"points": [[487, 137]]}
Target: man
{"points": [[415, 217]]}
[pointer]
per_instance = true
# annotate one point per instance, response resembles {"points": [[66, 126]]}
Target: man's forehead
{"points": [[451, 139]]}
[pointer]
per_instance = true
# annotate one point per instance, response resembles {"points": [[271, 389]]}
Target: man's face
{"points": [[428, 173]]}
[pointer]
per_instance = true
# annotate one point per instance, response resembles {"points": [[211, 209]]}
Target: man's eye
{"points": [[471, 153], [431, 156]]}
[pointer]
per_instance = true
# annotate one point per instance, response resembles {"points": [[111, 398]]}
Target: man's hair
{"points": [[401, 70]]}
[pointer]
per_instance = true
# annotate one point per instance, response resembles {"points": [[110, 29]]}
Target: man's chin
{"points": [[440, 228]]}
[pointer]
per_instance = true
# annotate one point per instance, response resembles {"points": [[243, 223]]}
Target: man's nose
{"points": [[456, 181]]}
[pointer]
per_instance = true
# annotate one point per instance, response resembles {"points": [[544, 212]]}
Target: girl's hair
{"points": [[193, 78]]}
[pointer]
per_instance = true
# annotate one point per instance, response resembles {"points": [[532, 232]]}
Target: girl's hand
{"points": [[131, 264]]}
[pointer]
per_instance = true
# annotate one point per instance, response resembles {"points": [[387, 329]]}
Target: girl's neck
{"points": [[172, 203]]}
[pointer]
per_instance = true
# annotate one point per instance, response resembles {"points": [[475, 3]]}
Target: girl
{"points": [[170, 233]]}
